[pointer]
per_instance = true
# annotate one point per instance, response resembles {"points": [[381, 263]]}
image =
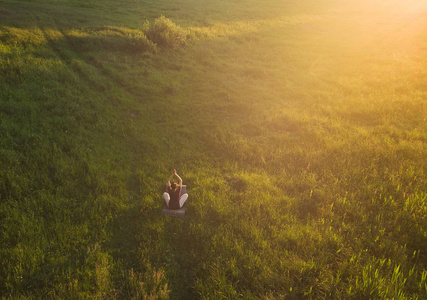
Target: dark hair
{"points": [[173, 186]]}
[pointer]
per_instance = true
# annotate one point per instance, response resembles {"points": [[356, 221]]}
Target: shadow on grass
{"points": [[144, 240]]}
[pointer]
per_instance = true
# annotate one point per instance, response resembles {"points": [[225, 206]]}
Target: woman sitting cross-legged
{"points": [[173, 197]]}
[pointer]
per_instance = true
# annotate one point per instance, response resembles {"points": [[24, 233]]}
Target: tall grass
{"points": [[299, 129]]}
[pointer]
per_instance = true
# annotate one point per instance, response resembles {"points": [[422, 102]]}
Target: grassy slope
{"points": [[300, 131]]}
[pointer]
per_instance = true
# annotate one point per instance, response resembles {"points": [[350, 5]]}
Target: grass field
{"points": [[299, 128]]}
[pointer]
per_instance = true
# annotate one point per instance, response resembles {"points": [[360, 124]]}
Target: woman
{"points": [[173, 197]]}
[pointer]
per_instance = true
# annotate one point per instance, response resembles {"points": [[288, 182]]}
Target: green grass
{"points": [[299, 128]]}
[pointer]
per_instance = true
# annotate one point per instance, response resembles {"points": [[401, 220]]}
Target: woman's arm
{"points": [[180, 180], [169, 180]]}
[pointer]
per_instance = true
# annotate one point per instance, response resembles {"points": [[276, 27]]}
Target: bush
{"points": [[165, 33]]}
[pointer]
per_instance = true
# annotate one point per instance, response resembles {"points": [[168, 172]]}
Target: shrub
{"points": [[165, 33]]}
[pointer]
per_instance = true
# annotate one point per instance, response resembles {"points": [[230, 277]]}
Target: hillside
{"points": [[299, 128]]}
